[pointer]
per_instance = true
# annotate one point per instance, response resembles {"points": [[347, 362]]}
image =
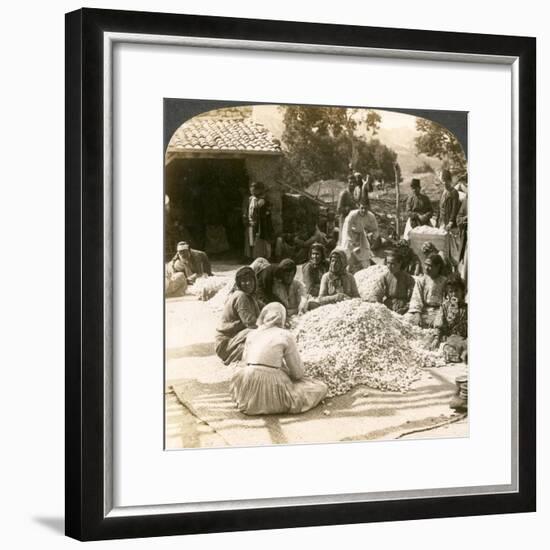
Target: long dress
{"points": [[239, 317], [272, 380]]}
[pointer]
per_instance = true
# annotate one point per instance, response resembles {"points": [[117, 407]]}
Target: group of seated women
{"points": [[435, 299], [271, 379], [423, 299], [253, 325]]}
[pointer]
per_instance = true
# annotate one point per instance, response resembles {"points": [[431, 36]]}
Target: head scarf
{"points": [[319, 247], [242, 272], [272, 315], [286, 266], [343, 261], [259, 264]]}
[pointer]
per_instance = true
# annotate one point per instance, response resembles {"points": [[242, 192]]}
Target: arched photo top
{"points": [[238, 131]]}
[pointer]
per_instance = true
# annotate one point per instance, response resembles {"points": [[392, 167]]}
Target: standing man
{"points": [[257, 223], [449, 203], [449, 206], [346, 203], [419, 207]]}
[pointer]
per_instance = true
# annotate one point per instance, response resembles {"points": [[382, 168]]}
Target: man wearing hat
{"points": [[184, 269], [419, 206], [258, 224]]}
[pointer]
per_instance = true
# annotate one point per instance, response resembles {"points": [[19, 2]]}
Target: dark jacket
{"points": [[448, 207], [421, 206], [261, 218]]}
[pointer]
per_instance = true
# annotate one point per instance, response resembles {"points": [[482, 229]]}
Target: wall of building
{"points": [[267, 170]]}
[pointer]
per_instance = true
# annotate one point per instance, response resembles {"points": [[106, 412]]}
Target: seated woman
{"points": [[312, 272], [286, 289], [259, 265], [265, 277], [394, 288], [452, 319], [337, 284], [272, 379], [428, 293], [276, 283], [239, 317]]}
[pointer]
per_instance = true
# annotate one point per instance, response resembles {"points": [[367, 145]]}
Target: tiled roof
{"points": [[211, 134]]}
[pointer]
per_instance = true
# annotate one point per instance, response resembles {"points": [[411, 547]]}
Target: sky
{"points": [[392, 119], [271, 117]]}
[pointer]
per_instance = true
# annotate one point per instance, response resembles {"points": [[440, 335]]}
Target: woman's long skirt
{"points": [[267, 390]]}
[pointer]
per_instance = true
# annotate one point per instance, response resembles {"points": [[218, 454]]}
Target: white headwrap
{"points": [[272, 315]]}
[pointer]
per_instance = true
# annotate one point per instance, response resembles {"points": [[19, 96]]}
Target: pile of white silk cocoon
{"points": [[354, 342]]}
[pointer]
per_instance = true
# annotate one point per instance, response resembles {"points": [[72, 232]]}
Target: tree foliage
{"points": [[323, 142], [436, 141]]}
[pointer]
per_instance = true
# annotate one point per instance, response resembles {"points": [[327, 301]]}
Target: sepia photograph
{"points": [[315, 274]]}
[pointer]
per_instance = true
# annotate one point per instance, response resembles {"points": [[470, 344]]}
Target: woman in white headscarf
{"points": [[272, 379]]}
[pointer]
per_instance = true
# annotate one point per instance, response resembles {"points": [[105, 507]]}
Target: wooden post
{"points": [[397, 173]]}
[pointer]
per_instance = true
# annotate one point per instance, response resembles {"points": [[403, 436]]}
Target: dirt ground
{"points": [[191, 360]]}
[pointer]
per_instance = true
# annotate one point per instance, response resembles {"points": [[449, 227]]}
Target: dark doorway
{"points": [[205, 204]]}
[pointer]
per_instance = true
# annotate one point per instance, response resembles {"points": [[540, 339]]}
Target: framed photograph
{"points": [[300, 265]]}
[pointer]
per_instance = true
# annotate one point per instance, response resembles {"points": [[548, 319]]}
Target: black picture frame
{"points": [[85, 399]]}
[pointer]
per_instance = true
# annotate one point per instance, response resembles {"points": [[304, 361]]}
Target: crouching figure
{"points": [[272, 380]]}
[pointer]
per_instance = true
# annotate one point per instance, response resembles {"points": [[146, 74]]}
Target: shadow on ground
{"points": [[53, 524]]}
